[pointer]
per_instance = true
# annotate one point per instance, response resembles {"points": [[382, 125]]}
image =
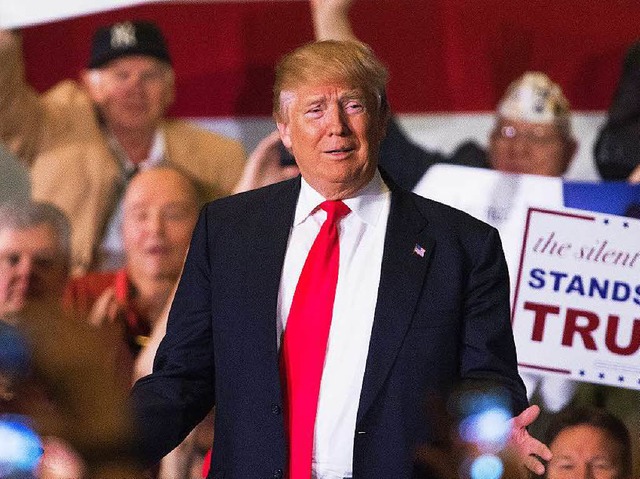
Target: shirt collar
{"points": [[155, 158], [367, 205]]}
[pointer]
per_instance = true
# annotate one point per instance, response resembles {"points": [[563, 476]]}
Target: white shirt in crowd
{"points": [[111, 252]]}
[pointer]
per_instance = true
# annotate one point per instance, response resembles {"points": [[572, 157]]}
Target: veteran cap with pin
{"points": [[536, 99]]}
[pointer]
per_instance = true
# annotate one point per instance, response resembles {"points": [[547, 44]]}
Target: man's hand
{"points": [[527, 448], [263, 166], [144, 362], [331, 19], [450, 456], [105, 309], [8, 37], [634, 177], [335, 6]]}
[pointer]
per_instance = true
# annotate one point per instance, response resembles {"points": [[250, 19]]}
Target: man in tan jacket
{"points": [[83, 140]]}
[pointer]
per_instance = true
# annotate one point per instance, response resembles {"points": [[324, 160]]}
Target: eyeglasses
{"points": [[532, 135]]}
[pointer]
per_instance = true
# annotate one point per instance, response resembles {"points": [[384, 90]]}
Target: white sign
{"points": [[23, 13], [576, 309], [16, 14], [500, 199]]}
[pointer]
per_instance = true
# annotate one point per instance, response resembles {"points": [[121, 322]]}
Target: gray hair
{"points": [[20, 215]]}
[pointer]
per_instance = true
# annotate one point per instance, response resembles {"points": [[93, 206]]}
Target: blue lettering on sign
{"points": [[538, 275], [576, 284]]}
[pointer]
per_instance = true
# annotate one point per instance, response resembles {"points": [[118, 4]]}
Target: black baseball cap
{"points": [[127, 38]]}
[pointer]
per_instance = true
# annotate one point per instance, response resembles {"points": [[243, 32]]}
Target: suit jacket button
{"points": [[276, 409], [277, 474]]}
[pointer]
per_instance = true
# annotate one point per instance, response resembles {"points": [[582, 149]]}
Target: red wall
{"points": [[443, 55]]}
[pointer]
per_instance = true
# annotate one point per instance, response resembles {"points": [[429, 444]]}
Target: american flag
{"points": [[419, 250]]}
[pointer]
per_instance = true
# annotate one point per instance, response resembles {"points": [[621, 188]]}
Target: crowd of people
{"points": [[93, 244]]}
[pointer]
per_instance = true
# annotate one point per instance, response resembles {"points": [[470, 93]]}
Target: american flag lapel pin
{"points": [[419, 250]]}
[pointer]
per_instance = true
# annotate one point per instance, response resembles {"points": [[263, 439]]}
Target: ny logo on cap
{"points": [[123, 35]]}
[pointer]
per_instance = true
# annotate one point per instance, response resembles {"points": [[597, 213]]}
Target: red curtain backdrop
{"points": [[443, 55]]}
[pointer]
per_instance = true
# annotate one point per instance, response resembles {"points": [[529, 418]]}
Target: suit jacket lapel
{"points": [[404, 267], [266, 247]]}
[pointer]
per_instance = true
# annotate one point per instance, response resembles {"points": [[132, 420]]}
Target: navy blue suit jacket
{"points": [[440, 318]]}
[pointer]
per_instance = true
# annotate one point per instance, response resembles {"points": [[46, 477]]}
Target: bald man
{"points": [[160, 207]]}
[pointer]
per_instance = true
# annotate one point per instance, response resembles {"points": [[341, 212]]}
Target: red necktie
{"points": [[305, 338]]}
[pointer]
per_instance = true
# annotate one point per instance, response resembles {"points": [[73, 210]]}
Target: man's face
{"points": [[132, 92], [32, 267], [160, 212], [334, 132], [532, 148], [585, 452]]}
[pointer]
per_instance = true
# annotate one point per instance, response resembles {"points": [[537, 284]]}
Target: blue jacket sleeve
{"points": [[180, 391]]}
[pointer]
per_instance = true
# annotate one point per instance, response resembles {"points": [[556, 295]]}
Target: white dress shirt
{"points": [[362, 234], [111, 251]]}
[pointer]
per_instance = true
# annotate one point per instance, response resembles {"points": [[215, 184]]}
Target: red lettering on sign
{"points": [[571, 327], [612, 333], [582, 323], [541, 311]]}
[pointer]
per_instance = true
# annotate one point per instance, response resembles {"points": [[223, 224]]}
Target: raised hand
{"points": [[105, 309], [634, 177], [263, 166], [331, 19]]}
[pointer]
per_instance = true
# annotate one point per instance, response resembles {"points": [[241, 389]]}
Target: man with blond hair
{"points": [[317, 314]]}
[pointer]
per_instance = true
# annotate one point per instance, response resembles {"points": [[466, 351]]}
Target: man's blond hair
{"points": [[351, 62]]}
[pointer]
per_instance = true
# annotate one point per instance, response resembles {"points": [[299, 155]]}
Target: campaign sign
{"points": [[576, 309]]}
